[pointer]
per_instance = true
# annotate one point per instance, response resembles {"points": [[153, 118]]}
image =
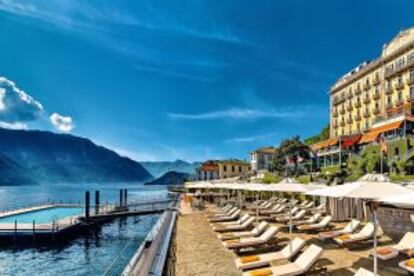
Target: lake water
{"points": [[104, 250]]}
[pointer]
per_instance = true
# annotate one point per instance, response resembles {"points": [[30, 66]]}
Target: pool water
{"points": [[47, 215]]}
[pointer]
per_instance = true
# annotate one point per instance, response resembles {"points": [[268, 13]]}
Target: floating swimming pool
{"points": [[47, 215]]}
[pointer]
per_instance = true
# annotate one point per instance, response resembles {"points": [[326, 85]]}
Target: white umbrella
{"points": [[371, 188], [404, 200]]}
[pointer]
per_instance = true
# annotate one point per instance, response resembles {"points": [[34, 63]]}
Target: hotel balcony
{"points": [[399, 85], [410, 79], [410, 98], [358, 90], [357, 104], [367, 100], [376, 80], [367, 86], [376, 95], [342, 110], [366, 114], [349, 120], [350, 95], [399, 101], [358, 117], [342, 124], [388, 90], [376, 110], [335, 113], [335, 125], [389, 72], [389, 105], [349, 107]]}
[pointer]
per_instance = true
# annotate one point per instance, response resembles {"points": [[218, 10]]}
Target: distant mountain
{"points": [[170, 178], [159, 168], [31, 156]]}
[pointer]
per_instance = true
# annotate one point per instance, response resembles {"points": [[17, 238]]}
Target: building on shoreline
{"points": [[261, 159], [221, 169], [373, 102]]}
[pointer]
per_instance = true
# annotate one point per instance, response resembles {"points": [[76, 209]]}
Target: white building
{"points": [[262, 158]]}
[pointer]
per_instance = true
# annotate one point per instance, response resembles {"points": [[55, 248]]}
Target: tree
{"points": [[293, 149], [323, 135]]}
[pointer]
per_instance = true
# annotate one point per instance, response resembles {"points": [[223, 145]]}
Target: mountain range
{"points": [[171, 178], [158, 169], [33, 156]]}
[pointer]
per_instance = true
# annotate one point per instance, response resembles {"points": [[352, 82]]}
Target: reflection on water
{"points": [[104, 249]]}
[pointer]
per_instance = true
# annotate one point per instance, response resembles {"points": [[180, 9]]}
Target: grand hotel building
{"points": [[373, 100]]}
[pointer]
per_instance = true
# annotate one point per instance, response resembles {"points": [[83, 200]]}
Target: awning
{"points": [[350, 141], [324, 144], [375, 132]]}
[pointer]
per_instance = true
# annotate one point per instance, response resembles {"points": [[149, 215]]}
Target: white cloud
{"points": [[250, 139], [237, 113], [16, 105], [13, 125], [62, 123]]}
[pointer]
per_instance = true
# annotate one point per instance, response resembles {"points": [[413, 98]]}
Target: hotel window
{"points": [[410, 57], [225, 168], [233, 169], [366, 124], [358, 127], [240, 169], [412, 92], [389, 100]]}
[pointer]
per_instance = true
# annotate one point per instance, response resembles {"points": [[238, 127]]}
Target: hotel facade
{"points": [[374, 100]]}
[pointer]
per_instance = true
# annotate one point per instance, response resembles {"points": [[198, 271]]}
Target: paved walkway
{"points": [[198, 250]]}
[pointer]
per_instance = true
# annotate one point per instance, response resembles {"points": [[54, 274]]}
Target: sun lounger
{"points": [[307, 206], [299, 215], [282, 200], [276, 210], [257, 231], [264, 238], [237, 222], [319, 209], [235, 227], [313, 219], [302, 264], [363, 272], [387, 253], [303, 203], [256, 261], [324, 223], [287, 213], [348, 229], [408, 265], [220, 214], [234, 216], [366, 233]]}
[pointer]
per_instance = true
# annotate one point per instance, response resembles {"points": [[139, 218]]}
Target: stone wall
{"points": [[396, 222]]}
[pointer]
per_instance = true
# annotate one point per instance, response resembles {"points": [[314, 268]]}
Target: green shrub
{"points": [[305, 179], [271, 178]]}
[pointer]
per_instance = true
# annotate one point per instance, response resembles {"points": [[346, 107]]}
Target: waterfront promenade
{"points": [[199, 252]]}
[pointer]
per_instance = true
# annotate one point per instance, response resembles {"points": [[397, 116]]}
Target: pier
{"points": [[25, 223]]}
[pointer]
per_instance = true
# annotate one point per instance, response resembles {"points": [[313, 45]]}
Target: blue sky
{"points": [[161, 80]]}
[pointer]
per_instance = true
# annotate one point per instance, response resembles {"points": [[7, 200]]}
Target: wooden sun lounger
{"points": [[363, 272], [387, 253], [286, 213], [239, 221], [299, 215], [255, 232], [235, 227], [301, 266], [261, 260], [263, 239], [234, 216], [307, 206], [323, 224], [348, 229], [221, 214], [276, 210], [365, 234], [313, 219], [407, 265]]}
